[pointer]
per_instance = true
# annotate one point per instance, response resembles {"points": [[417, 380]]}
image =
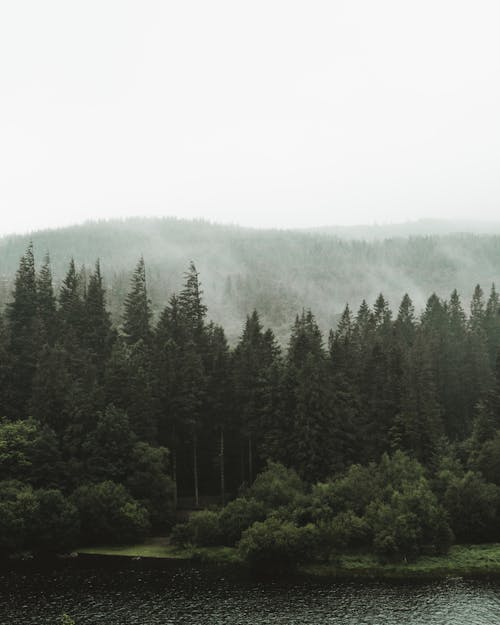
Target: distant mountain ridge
{"points": [[279, 272]]}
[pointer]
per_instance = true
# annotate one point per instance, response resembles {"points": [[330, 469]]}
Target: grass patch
{"points": [[461, 560], [160, 547]]}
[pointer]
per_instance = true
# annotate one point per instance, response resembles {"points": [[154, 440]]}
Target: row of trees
{"points": [[166, 409]]}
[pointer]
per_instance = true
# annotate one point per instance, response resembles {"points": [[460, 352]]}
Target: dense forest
{"points": [[277, 272], [385, 434]]}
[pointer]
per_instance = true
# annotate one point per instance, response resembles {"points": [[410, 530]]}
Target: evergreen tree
{"points": [[24, 338], [99, 334], [137, 316], [46, 301]]}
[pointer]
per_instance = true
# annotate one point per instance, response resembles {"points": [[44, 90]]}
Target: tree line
{"points": [[109, 426]]}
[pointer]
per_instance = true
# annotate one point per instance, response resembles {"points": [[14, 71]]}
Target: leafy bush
{"points": [[149, 483], [408, 523], [202, 530], [472, 505], [276, 486], [239, 515], [345, 531], [273, 545], [109, 514], [57, 524], [350, 492], [18, 511]]}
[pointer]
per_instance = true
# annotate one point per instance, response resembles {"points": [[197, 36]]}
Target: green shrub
{"points": [[57, 523], [181, 535], [472, 506], [273, 545], [202, 530], [346, 531], [108, 514], [239, 515], [410, 523], [276, 486]]}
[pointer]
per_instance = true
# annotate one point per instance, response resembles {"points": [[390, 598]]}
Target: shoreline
{"points": [[462, 561]]}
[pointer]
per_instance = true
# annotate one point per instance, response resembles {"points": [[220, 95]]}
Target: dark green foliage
{"points": [[408, 523], [41, 520], [273, 545], [238, 516], [57, 523], [109, 515], [202, 530], [276, 486], [126, 424], [137, 315], [472, 505], [148, 481]]}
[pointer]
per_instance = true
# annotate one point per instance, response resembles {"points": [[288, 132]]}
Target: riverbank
{"points": [[160, 548], [462, 560]]}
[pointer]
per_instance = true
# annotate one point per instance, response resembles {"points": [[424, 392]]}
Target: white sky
{"points": [[265, 113]]}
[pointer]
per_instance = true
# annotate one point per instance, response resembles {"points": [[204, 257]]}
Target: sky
{"points": [[267, 113]]}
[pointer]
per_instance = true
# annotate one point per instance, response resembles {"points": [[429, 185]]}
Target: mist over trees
{"points": [[106, 426], [275, 272]]}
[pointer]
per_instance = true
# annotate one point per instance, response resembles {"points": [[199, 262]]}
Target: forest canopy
{"points": [[383, 435]]}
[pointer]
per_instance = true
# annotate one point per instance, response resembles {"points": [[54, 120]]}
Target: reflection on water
{"points": [[159, 597]]}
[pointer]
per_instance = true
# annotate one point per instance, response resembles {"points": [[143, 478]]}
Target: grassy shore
{"points": [[160, 547], [462, 560]]}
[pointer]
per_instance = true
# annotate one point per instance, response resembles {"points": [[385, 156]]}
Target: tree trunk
{"points": [[174, 466], [222, 472], [242, 462], [250, 460], [195, 469]]}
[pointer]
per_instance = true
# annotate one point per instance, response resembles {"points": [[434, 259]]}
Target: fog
{"points": [[268, 114], [277, 272]]}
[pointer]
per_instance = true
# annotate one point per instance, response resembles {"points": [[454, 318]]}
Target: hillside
{"points": [[276, 271]]}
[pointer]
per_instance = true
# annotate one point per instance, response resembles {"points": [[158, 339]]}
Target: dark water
{"points": [[157, 597]]}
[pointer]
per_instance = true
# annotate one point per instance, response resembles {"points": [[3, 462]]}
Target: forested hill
{"points": [[278, 272]]}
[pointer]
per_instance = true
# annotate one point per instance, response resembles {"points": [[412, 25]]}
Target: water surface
{"points": [[129, 596]]}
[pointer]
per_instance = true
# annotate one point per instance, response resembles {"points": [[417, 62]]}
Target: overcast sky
{"points": [[272, 113]]}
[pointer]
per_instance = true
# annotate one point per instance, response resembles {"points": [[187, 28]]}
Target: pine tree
{"points": [[24, 336], [191, 305], [71, 311], [98, 334], [219, 396], [492, 324], [46, 302], [137, 316], [419, 426], [310, 435], [253, 356], [405, 322]]}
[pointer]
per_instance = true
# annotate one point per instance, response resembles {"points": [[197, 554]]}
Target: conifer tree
{"points": [[46, 300], [137, 316], [24, 338], [99, 334]]}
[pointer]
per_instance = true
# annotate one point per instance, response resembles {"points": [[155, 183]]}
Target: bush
{"points": [[202, 530], [350, 492], [273, 545], [149, 483], [276, 486], [346, 531], [472, 505], [108, 514], [18, 511], [57, 525], [181, 535], [410, 523], [238, 516]]}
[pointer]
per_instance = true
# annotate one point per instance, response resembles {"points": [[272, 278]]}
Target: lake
{"points": [[138, 594]]}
